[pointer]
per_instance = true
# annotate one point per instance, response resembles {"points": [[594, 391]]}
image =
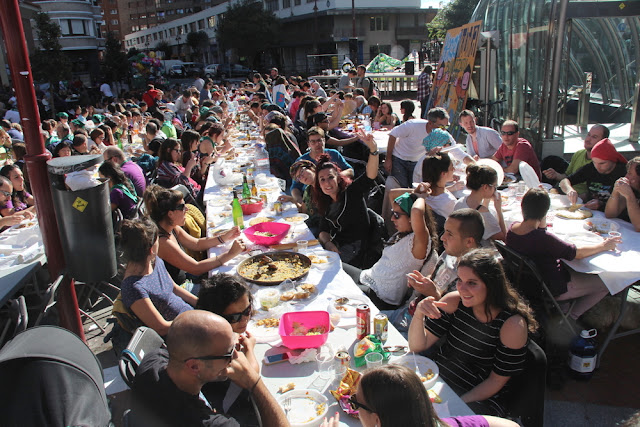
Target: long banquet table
{"points": [[331, 282]]}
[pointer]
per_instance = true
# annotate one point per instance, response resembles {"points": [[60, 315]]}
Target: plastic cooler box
{"points": [[308, 319]]}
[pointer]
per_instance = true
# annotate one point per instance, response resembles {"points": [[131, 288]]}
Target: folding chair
{"points": [[613, 332], [143, 341], [17, 316], [526, 278], [526, 399]]}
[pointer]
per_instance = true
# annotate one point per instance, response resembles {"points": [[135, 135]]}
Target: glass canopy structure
{"points": [[545, 53]]}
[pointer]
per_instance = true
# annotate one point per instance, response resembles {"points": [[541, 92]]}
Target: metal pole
{"points": [[635, 116], [555, 74], [353, 20], [487, 81], [13, 33]]}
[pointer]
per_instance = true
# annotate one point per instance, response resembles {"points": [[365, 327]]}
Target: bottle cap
{"points": [[588, 333]]}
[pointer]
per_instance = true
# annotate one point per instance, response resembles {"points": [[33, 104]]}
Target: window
{"points": [[114, 22], [201, 24], [113, 11], [143, 27], [155, 36], [212, 21], [379, 23], [286, 4], [296, 2], [180, 11], [73, 27], [143, 16], [272, 5]]}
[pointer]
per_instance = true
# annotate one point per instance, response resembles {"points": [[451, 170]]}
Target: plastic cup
{"points": [[373, 360], [301, 246], [326, 365]]}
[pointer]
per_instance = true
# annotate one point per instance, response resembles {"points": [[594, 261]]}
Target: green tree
{"points": [[114, 58], [197, 41], [132, 52], [165, 48], [48, 62], [248, 28], [453, 15]]}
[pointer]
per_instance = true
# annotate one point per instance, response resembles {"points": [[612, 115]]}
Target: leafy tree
{"points": [[48, 62], [132, 52], [248, 28], [198, 40], [114, 58], [453, 15], [165, 48]]}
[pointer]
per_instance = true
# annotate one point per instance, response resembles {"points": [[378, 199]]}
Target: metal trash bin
{"points": [[84, 221]]}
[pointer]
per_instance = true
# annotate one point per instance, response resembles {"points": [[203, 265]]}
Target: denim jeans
{"points": [[402, 170]]}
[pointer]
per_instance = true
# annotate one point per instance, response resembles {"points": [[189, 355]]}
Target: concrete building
{"points": [[82, 39], [395, 29], [28, 11]]}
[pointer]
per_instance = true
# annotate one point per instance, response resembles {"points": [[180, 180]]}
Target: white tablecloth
{"points": [[616, 269], [331, 282]]}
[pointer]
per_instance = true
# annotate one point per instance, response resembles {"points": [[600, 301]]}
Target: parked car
{"points": [[211, 71], [234, 70], [177, 70], [194, 68]]}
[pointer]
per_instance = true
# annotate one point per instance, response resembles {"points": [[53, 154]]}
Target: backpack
{"points": [[373, 89]]}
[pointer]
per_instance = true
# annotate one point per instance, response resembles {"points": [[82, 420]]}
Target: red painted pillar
{"points": [[36, 158]]}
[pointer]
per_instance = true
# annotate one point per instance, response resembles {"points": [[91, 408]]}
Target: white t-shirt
{"points": [[409, 136], [106, 90], [443, 204], [490, 218]]}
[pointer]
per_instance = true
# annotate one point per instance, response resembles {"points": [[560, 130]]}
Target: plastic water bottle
{"points": [[583, 355]]}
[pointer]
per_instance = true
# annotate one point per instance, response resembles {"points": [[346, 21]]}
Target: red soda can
{"points": [[363, 321]]}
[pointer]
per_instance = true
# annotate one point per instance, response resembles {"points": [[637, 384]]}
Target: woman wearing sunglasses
{"points": [[168, 209], [393, 395], [385, 283], [170, 171], [482, 180], [147, 289], [229, 297]]}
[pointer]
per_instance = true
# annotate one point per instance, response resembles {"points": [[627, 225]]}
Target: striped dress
{"points": [[472, 351]]}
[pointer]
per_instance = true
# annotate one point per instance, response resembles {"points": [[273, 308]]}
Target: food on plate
{"points": [[340, 307], [315, 259], [260, 220], [287, 296], [286, 388], [269, 322], [294, 218], [435, 397], [309, 287], [427, 376], [300, 330], [264, 234], [574, 207], [275, 268], [301, 293], [320, 408], [578, 214], [26, 224], [507, 180], [600, 227]]}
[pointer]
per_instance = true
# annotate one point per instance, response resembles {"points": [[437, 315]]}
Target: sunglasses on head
{"points": [[180, 207], [511, 132], [397, 214], [228, 357], [355, 405], [236, 317]]}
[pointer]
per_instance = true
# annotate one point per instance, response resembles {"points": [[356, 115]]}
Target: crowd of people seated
{"points": [[432, 277]]}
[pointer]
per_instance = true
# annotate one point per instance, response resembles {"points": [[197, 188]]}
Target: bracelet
{"points": [[374, 153], [220, 240], [254, 386]]}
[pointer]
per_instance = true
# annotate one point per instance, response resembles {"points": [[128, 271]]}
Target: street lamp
{"points": [[178, 38]]}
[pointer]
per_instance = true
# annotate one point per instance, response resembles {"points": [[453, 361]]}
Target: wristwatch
{"points": [[374, 153]]}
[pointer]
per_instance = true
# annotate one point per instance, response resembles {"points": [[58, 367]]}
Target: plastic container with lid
{"points": [[583, 355]]}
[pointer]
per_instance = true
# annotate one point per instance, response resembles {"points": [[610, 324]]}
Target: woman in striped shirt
{"points": [[486, 325]]}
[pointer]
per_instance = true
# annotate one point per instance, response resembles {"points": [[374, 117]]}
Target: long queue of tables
{"points": [[330, 280]]}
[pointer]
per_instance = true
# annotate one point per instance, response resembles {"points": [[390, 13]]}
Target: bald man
{"points": [[201, 349], [134, 172]]}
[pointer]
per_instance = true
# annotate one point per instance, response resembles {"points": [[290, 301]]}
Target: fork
{"points": [[416, 364], [287, 406]]}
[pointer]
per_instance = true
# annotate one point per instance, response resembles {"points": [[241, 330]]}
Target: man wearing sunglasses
{"points": [[171, 385], [515, 150]]}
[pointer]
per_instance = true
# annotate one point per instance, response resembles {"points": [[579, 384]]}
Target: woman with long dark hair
{"points": [[345, 225], [20, 198], [486, 325]]}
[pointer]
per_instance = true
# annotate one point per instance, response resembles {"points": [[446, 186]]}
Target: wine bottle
{"points": [[246, 191]]}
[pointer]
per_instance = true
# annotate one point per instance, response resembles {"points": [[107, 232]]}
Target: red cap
{"points": [[606, 151]]}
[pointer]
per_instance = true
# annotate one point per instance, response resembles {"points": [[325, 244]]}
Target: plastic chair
{"points": [[613, 332], [526, 278], [526, 399], [143, 341]]}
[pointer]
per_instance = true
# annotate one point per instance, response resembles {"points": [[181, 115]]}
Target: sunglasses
{"points": [[6, 193], [397, 214], [228, 357], [511, 132], [355, 405], [180, 207], [236, 317]]}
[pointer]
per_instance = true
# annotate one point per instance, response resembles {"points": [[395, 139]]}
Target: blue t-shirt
{"points": [[336, 158], [158, 287]]}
